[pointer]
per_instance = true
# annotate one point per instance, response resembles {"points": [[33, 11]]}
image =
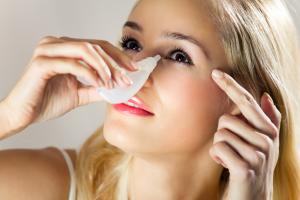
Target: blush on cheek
{"points": [[193, 92], [195, 106]]}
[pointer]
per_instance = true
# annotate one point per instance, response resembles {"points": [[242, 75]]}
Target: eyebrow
{"points": [[173, 35]]}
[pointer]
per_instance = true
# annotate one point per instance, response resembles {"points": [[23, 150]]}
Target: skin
{"points": [[173, 150], [176, 93], [248, 148], [199, 122], [49, 87]]}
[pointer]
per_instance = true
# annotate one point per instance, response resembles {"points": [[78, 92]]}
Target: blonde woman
{"points": [[218, 118]]}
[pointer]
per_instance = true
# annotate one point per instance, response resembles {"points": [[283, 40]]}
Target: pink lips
{"points": [[135, 100], [142, 109]]}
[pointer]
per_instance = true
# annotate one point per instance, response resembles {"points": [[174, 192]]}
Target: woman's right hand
{"points": [[49, 88]]}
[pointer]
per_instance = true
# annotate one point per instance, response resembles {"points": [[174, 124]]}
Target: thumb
{"points": [[88, 94], [270, 109]]}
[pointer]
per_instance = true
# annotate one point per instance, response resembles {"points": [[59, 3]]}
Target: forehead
{"points": [[187, 16], [190, 17]]}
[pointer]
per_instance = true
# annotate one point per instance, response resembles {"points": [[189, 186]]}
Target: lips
{"points": [[140, 109], [138, 102]]}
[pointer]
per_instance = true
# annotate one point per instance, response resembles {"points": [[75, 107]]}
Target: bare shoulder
{"points": [[34, 174]]}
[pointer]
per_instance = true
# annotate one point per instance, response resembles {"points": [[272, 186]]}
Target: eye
{"points": [[179, 55], [128, 43]]}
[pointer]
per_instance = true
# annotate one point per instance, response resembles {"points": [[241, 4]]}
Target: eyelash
{"points": [[125, 39]]}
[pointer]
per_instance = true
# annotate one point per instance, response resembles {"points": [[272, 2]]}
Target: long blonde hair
{"points": [[260, 42]]}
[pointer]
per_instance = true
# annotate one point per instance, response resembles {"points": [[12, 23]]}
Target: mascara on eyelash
{"points": [[126, 38]]}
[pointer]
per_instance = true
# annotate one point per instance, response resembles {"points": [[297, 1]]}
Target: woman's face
{"points": [[180, 91]]}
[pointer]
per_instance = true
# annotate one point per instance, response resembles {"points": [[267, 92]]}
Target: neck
{"points": [[174, 178]]}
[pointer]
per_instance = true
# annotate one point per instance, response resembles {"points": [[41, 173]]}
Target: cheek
{"points": [[191, 108], [188, 110]]}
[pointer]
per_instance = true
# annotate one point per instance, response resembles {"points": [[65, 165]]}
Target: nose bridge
{"points": [[149, 50], [143, 55]]}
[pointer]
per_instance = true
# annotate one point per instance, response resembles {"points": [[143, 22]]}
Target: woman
{"points": [[220, 120]]}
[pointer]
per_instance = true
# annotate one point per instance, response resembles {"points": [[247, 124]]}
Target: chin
{"points": [[117, 136], [121, 132]]}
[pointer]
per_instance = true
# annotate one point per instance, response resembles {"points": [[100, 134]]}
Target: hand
{"points": [[248, 145], [49, 87]]}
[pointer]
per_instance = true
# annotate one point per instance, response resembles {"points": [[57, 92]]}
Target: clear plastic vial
{"points": [[139, 77]]}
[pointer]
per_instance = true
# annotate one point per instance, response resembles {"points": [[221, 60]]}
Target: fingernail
{"points": [[269, 97], [127, 80], [106, 84], [217, 73], [115, 84], [121, 83], [134, 65], [122, 71], [111, 84], [218, 160], [107, 70], [221, 162], [100, 83]]}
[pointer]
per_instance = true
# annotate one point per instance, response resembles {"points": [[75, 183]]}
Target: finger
{"points": [[120, 80], [117, 74], [246, 103], [246, 132], [255, 158], [237, 166], [117, 55], [49, 67], [87, 95], [270, 109], [83, 51], [49, 40]]}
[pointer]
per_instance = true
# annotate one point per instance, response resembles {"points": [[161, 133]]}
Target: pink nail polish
{"points": [[269, 97], [218, 160], [217, 73], [127, 80], [221, 162], [134, 66]]}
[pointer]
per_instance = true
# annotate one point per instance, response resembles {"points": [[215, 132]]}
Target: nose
{"points": [[149, 81], [143, 55]]}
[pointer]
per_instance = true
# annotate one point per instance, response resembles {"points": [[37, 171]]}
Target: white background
{"points": [[23, 23]]}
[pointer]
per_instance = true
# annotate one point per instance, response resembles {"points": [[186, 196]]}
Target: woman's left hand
{"points": [[248, 145]]}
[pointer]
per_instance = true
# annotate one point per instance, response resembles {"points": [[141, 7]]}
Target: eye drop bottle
{"points": [[120, 95]]}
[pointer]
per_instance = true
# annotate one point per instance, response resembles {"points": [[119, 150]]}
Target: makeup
{"points": [[131, 110]]}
